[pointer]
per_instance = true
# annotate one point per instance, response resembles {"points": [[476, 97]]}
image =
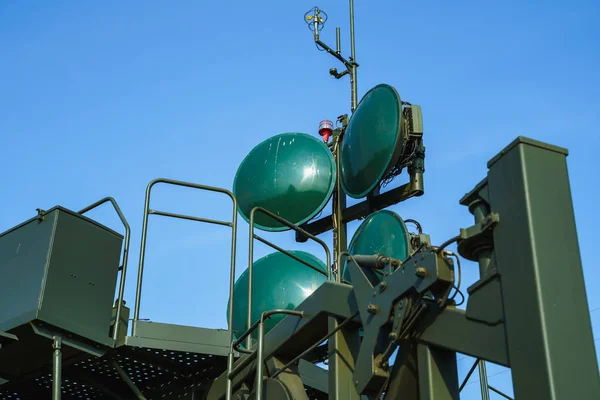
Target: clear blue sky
{"points": [[98, 98]]}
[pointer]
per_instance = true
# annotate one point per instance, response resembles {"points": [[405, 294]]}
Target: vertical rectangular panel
{"points": [[342, 347], [404, 377], [23, 261], [82, 275], [550, 342], [438, 374]]}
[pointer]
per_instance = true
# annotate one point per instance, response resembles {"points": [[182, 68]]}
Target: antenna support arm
{"points": [[347, 64]]}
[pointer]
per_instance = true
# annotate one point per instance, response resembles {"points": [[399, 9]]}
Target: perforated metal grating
{"points": [[159, 374]]}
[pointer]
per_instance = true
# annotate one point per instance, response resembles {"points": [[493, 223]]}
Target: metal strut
{"points": [[57, 368]]}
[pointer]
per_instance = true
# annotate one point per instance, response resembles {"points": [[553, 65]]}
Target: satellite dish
{"points": [[373, 141], [278, 281], [290, 174], [382, 232]]}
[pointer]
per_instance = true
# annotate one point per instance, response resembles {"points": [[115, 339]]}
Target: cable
{"points": [[457, 286], [461, 295], [447, 242], [416, 223]]}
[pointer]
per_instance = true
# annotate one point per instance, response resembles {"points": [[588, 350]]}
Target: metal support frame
{"points": [[258, 354], [360, 210], [125, 258], [535, 252], [291, 337], [232, 225], [537, 255], [483, 381], [253, 236], [138, 393]]}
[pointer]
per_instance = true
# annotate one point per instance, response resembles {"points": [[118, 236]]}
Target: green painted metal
{"points": [[60, 268], [280, 282], [382, 232], [543, 288], [290, 174], [372, 141]]}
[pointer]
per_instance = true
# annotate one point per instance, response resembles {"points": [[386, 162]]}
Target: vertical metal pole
{"points": [[480, 210], [485, 391], [57, 368], [340, 345], [231, 297], [353, 77], [259, 359], [228, 393], [138, 291], [250, 265], [120, 301], [339, 204], [438, 374]]}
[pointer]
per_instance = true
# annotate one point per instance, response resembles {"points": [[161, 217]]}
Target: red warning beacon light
{"points": [[325, 129]]}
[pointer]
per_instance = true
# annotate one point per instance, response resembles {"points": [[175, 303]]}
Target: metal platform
{"points": [[77, 342], [162, 361], [158, 374]]}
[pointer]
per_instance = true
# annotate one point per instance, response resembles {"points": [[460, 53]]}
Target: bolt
{"points": [[421, 272], [372, 309], [382, 286], [393, 336]]}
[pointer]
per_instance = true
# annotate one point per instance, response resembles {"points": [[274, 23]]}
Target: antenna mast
{"points": [[316, 18]]}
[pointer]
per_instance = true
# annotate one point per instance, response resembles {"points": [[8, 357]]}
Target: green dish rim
{"points": [[393, 157], [361, 228], [319, 263], [317, 210]]}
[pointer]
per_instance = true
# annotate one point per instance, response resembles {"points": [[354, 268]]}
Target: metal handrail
{"points": [[232, 224], [259, 353], [251, 254], [125, 256]]}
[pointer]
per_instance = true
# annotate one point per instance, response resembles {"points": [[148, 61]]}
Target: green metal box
{"points": [[61, 268]]}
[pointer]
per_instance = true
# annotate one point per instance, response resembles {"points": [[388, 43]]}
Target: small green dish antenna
{"points": [[373, 141], [278, 282], [290, 174], [382, 232]]}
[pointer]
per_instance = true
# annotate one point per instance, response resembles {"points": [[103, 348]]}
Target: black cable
{"points": [[446, 243], [457, 286], [416, 223]]}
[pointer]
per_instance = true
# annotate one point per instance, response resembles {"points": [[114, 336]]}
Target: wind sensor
{"points": [[315, 19]]}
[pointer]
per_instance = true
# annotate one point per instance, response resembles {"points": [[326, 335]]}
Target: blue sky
{"points": [[99, 98]]}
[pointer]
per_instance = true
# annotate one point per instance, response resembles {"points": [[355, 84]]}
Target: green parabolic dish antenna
{"points": [[382, 232], [291, 175], [372, 141], [278, 281]]}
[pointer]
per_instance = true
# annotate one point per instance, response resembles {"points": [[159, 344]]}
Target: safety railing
{"points": [[252, 236], [232, 225], [125, 257], [231, 373], [258, 354]]}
